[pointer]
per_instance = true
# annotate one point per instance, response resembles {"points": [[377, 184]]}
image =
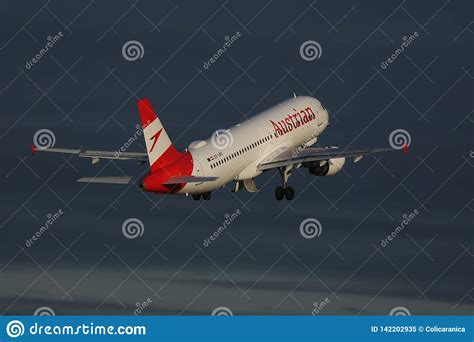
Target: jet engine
{"points": [[325, 167]]}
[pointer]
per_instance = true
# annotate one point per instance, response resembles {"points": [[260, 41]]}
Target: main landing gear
{"points": [[284, 190], [205, 196]]}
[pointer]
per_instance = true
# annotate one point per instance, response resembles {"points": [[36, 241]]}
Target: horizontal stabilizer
{"points": [[96, 155], [189, 179], [105, 180]]}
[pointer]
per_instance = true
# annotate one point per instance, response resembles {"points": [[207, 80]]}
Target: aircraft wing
{"points": [[291, 156], [95, 155]]}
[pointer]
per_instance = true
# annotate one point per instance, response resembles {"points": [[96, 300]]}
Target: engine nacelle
{"points": [[325, 168]]}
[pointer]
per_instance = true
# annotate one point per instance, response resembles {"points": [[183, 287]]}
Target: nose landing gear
{"points": [[285, 190]]}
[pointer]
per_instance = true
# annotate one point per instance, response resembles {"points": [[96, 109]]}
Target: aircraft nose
{"points": [[326, 116]]}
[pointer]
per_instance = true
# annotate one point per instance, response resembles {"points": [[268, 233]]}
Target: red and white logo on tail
{"points": [[161, 151]]}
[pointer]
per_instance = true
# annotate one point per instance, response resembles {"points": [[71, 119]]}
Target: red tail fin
{"points": [[161, 151]]}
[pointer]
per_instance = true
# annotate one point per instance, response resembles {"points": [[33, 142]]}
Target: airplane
{"points": [[277, 138]]}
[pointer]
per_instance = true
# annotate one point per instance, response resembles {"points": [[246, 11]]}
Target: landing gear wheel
{"points": [[279, 193], [197, 197], [206, 196], [284, 190], [289, 193]]}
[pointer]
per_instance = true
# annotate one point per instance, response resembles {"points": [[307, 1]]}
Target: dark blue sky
{"points": [[84, 91]]}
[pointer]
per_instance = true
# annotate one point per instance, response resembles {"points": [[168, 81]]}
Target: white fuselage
{"points": [[234, 154]]}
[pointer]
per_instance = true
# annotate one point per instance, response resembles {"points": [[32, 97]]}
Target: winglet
{"points": [[34, 149]]}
